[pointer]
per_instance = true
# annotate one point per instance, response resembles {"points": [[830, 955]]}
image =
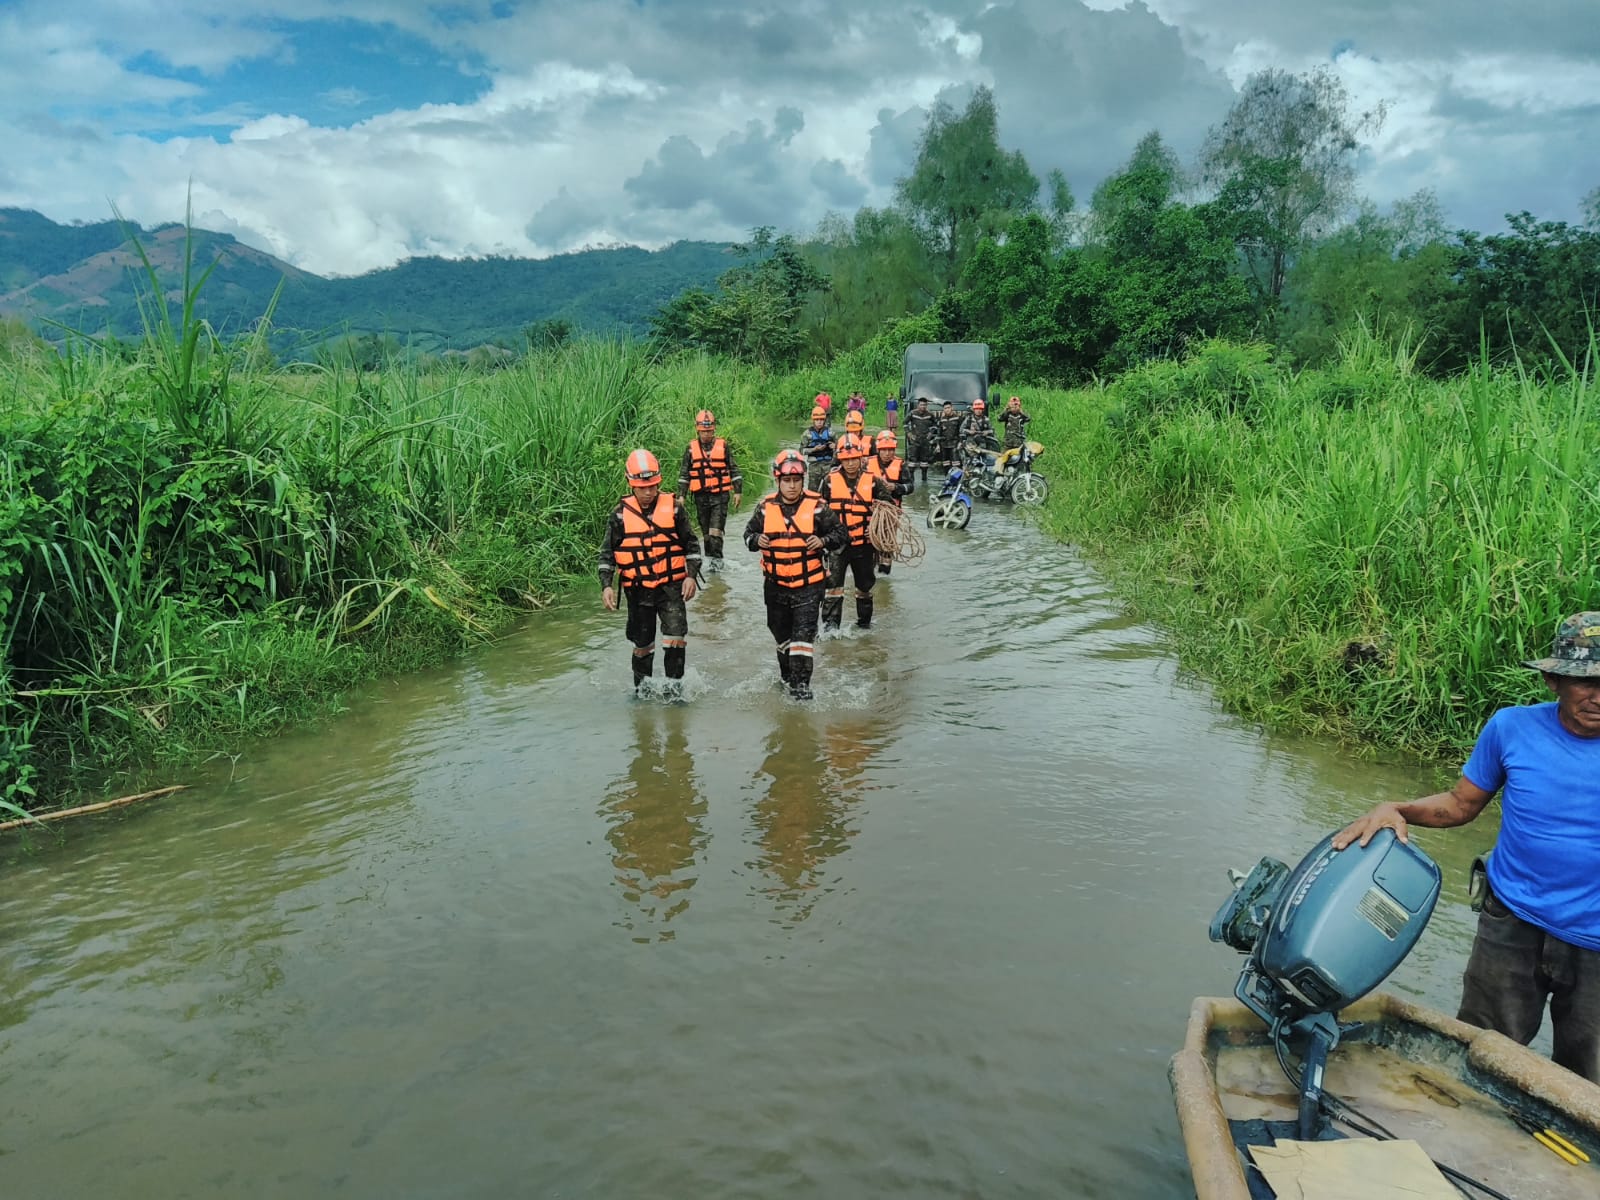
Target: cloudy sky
{"points": [[344, 135]]}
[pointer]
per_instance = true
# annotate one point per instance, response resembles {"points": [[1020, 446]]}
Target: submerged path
{"points": [[503, 930]]}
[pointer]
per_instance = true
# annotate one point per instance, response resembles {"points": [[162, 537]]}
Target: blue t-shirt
{"points": [[1546, 865], [891, 404]]}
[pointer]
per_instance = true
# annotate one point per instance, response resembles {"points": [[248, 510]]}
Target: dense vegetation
{"points": [[193, 548], [1345, 452], [1359, 549], [1262, 238]]}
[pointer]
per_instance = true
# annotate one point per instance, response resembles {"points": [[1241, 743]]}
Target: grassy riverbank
{"points": [[192, 552], [1358, 552]]}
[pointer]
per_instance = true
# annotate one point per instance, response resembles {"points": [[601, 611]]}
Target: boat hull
{"points": [[1422, 1074]]}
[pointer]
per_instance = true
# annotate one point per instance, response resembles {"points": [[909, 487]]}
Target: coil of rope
{"points": [[894, 536]]}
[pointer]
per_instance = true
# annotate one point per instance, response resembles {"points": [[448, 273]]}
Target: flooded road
{"points": [[504, 930]]}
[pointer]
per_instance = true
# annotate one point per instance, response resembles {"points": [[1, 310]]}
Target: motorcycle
{"points": [[1017, 481], [951, 508]]}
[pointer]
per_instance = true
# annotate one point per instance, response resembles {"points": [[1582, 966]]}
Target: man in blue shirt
{"points": [[1539, 934]]}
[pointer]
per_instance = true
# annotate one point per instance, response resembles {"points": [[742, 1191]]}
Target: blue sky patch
{"points": [[333, 73]]}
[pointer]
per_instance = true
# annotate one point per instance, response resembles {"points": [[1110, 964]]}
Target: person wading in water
{"points": [[652, 552], [793, 530], [709, 475]]}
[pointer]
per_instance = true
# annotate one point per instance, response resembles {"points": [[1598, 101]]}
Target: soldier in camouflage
{"points": [[921, 438]]}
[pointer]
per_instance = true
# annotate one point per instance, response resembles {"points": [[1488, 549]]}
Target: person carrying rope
{"points": [[888, 466], [651, 551], [793, 530], [850, 492], [709, 474]]}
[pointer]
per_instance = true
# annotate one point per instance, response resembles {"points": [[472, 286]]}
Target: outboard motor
{"points": [[1320, 937]]}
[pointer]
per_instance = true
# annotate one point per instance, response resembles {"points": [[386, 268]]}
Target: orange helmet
{"points": [[819, 413], [823, 401], [978, 405], [643, 469], [854, 420], [704, 420], [887, 439], [788, 462], [850, 446]]}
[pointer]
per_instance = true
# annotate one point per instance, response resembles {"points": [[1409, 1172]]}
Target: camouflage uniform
{"points": [[949, 437], [817, 446], [1013, 423], [921, 439]]}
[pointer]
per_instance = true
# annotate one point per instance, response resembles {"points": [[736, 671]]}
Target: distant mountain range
{"points": [[86, 278]]}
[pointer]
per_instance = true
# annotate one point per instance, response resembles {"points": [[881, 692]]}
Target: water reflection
{"points": [[656, 822], [802, 818]]}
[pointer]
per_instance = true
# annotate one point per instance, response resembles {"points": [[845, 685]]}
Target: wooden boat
{"points": [[1421, 1075]]}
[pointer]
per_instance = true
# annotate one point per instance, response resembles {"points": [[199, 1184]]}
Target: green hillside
{"points": [[86, 277]]}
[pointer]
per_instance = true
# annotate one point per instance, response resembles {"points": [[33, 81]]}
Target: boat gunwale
{"points": [[1214, 1160]]}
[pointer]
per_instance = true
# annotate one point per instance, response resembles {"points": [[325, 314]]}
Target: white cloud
{"points": [[1487, 104]]}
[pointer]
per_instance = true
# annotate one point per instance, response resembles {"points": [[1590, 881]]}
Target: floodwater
{"points": [[504, 930]]}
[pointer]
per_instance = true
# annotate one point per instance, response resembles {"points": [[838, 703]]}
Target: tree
{"points": [[755, 314], [963, 187], [1063, 217], [1387, 273], [549, 334], [1531, 293], [1151, 177], [879, 270], [1591, 210], [1283, 162], [1170, 267], [1041, 312]]}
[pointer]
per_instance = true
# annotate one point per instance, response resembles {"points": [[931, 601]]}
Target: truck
{"points": [[953, 371]]}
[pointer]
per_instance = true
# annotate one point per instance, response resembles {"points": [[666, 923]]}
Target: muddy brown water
{"points": [[504, 930]]}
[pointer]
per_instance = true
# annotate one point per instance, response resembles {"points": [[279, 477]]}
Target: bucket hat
{"points": [[1576, 649]]}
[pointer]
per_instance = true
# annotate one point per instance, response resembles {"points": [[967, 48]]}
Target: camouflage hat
{"points": [[1576, 650]]}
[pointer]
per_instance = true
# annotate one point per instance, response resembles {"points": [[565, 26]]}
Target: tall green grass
{"points": [[1358, 551], [192, 550]]}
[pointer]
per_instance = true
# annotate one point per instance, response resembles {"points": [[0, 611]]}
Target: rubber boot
{"points": [[884, 565], [784, 667], [800, 677], [864, 611], [832, 611], [672, 660], [714, 549], [644, 666]]}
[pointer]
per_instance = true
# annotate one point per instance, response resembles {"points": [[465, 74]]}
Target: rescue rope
{"points": [[891, 534]]}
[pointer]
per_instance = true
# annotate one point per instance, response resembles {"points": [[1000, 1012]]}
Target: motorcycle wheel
{"points": [[948, 513], [1031, 488]]}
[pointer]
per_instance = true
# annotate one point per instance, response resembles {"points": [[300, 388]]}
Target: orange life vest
{"points": [[891, 472], [853, 504], [787, 560], [650, 554], [708, 469]]}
